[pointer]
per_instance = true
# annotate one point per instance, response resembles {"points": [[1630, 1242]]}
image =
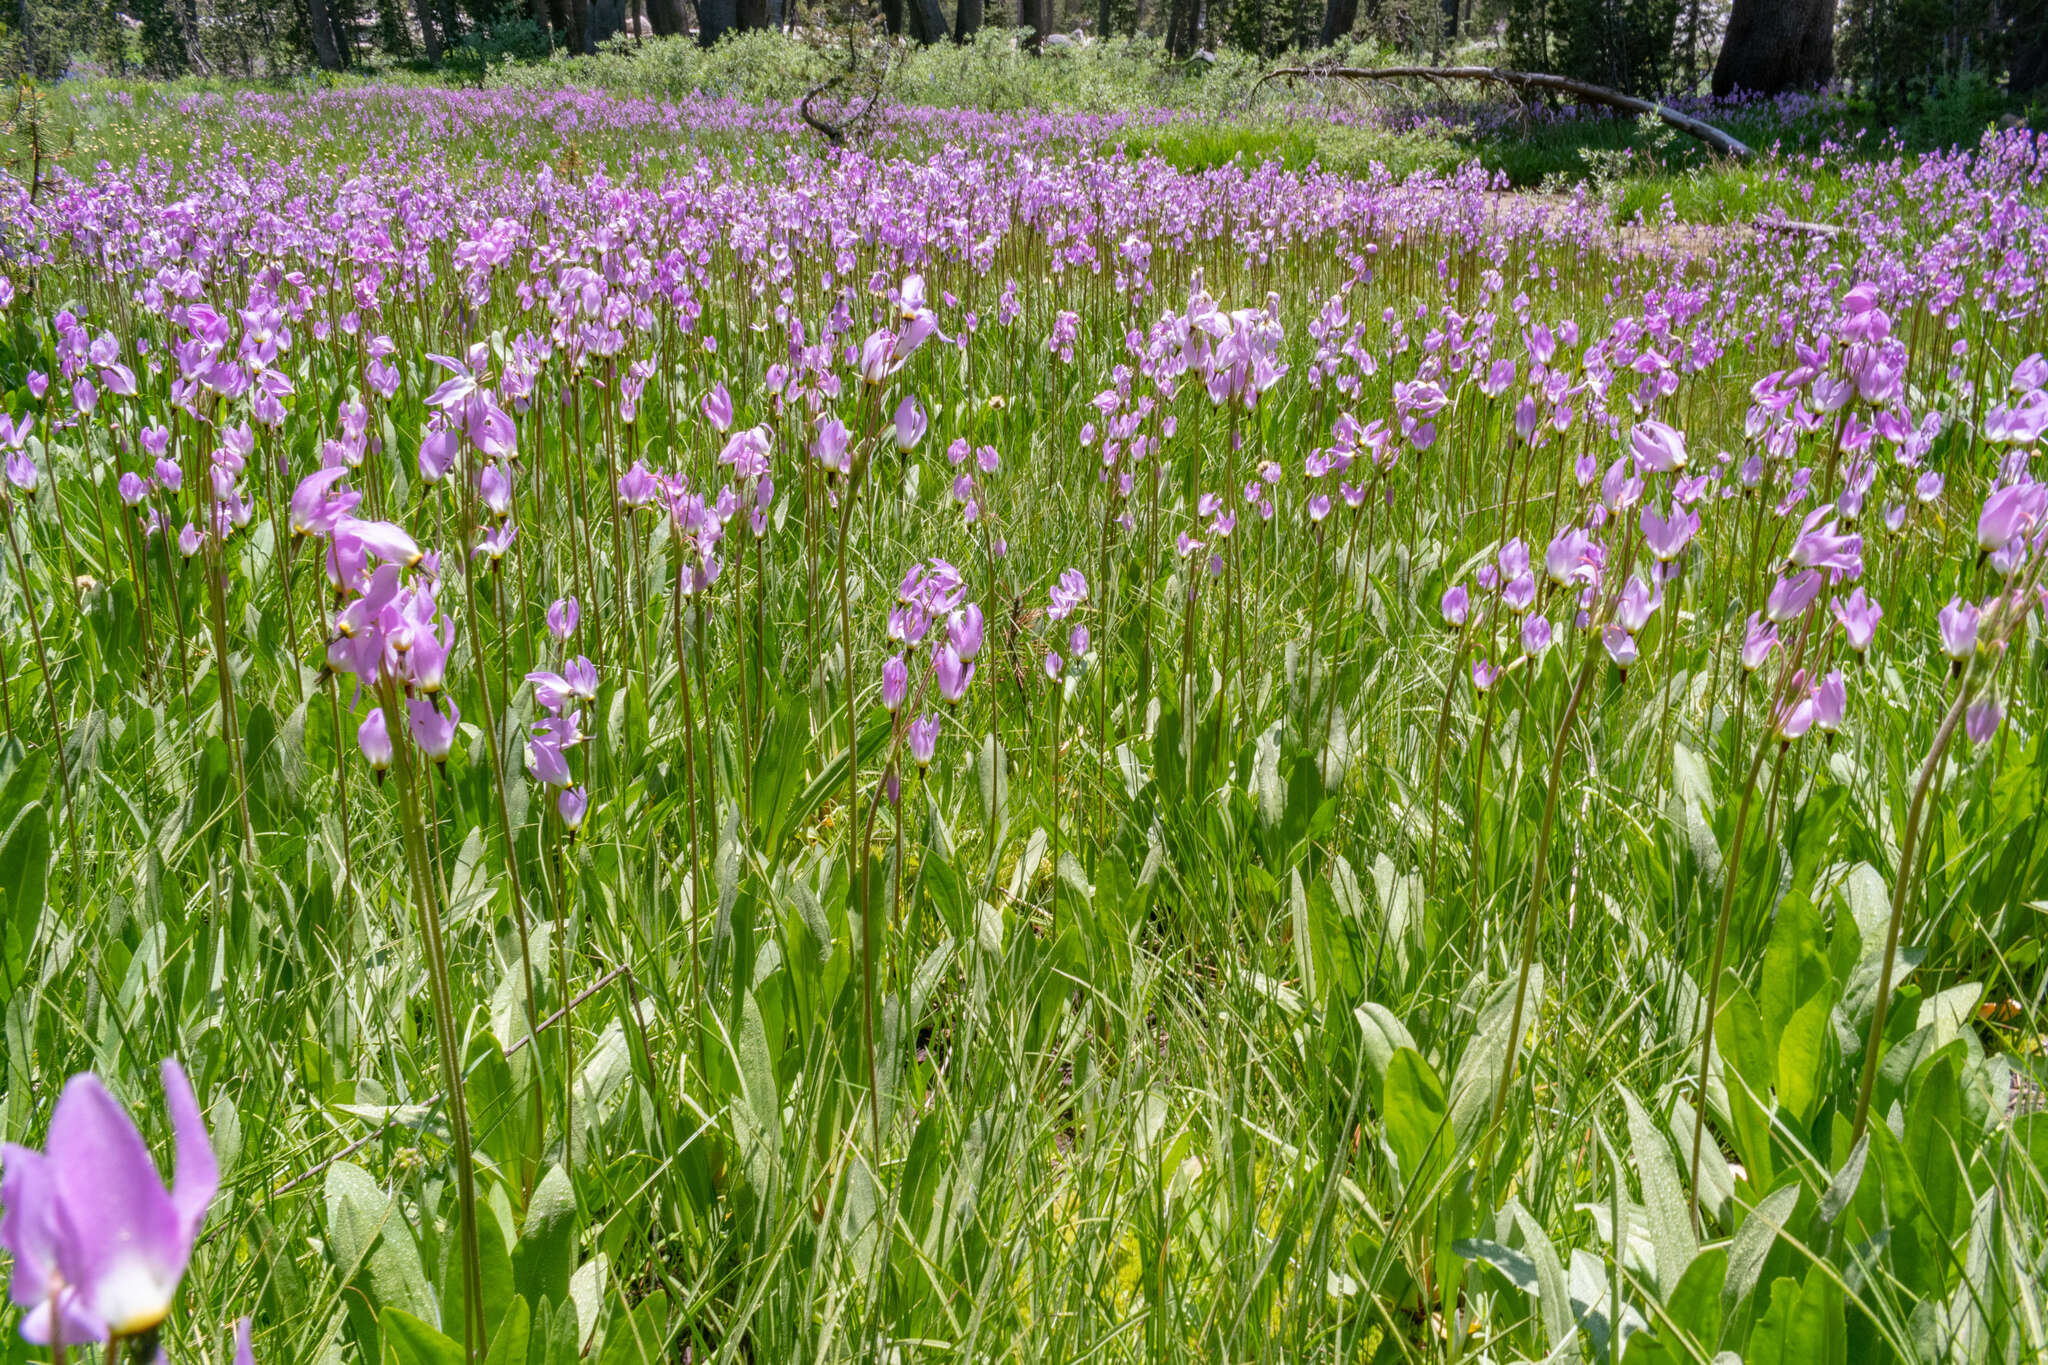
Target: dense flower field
{"points": [[696, 747]]}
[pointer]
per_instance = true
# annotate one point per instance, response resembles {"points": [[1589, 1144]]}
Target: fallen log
{"points": [[1523, 83], [1797, 227]]}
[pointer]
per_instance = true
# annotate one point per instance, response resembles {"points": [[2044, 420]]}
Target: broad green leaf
{"points": [[1806, 1052], [409, 1341], [1741, 1039], [830, 781], [494, 1264], [1304, 946], [1753, 1242], [1664, 1199], [545, 1256], [761, 1138], [1553, 1293], [639, 1337], [511, 1336], [1933, 1140], [1795, 967], [1418, 1127], [1716, 1179], [1477, 1079], [562, 1345], [1695, 1305], [24, 863], [371, 1244], [1804, 1324], [586, 1290]]}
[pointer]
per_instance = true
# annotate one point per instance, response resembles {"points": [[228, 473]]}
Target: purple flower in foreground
{"points": [[432, 731], [562, 617], [494, 544], [718, 408], [831, 448], [373, 737], [1792, 596], [1457, 605], [547, 751], [1859, 617], [909, 424], [437, 454], [1637, 604], [2010, 513], [99, 1244], [1658, 447], [1571, 558], [1667, 539], [1796, 717], [638, 486], [1821, 546], [952, 672], [572, 805], [1621, 646], [924, 740], [1067, 594], [1831, 702], [895, 682], [1959, 629], [964, 631], [1757, 644], [1982, 720]]}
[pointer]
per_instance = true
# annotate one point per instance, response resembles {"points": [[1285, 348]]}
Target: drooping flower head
{"points": [[99, 1244], [562, 617]]}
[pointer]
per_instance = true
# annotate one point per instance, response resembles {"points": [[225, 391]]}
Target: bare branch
{"points": [[1523, 83]]}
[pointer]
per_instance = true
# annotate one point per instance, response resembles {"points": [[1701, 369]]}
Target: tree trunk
{"points": [[326, 51], [1338, 18], [430, 36], [967, 21], [714, 20], [928, 22], [602, 19], [188, 32], [579, 27], [1776, 45], [749, 15], [892, 16], [2028, 74]]}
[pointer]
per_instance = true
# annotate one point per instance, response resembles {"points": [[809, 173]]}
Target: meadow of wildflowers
{"points": [[671, 744]]}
